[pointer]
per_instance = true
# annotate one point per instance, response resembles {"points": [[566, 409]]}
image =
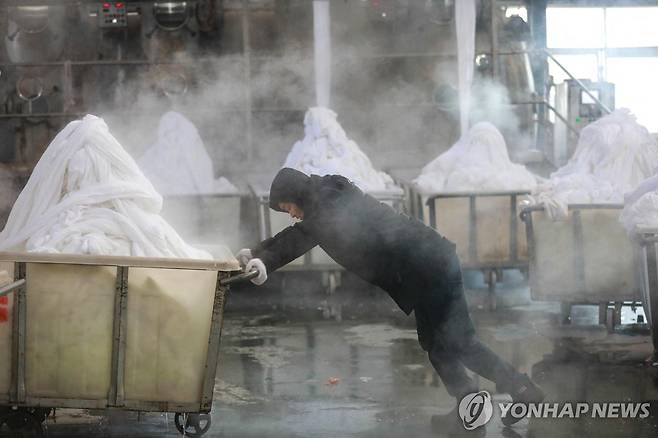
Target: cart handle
{"points": [[238, 278], [5, 290]]}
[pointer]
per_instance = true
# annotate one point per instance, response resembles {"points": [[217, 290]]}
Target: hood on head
{"points": [[289, 185]]}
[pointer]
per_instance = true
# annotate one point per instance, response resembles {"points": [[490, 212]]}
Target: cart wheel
{"points": [[195, 424]]}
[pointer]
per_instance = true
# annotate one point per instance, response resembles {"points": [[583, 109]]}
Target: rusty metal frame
{"points": [[647, 261], [526, 217], [116, 395], [514, 229], [212, 357], [18, 330]]}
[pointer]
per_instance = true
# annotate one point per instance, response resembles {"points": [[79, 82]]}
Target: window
{"points": [[633, 78], [616, 44], [631, 27], [575, 27], [581, 66]]}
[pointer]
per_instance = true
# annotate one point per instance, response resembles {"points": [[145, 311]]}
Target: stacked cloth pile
{"points": [[614, 155], [641, 206], [326, 150], [478, 162], [178, 163], [86, 195]]}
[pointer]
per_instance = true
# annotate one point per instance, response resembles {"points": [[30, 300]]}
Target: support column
{"points": [[322, 47], [537, 19]]}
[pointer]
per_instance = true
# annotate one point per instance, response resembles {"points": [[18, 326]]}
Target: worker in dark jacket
{"points": [[416, 266]]}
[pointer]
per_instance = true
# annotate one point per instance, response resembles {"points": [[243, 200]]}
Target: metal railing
{"points": [[542, 101], [582, 86]]}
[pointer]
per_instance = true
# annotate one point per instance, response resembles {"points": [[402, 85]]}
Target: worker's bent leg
{"points": [[446, 363], [451, 371], [456, 334]]}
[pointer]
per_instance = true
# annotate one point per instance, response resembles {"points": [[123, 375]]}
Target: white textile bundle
{"points": [[326, 150], [614, 154], [477, 162], [641, 206], [86, 195], [178, 163]]}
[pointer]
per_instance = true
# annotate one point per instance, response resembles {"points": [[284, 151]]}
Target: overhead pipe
{"points": [[322, 47]]}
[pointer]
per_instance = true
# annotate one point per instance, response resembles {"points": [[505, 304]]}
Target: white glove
{"points": [[243, 256], [257, 265]]}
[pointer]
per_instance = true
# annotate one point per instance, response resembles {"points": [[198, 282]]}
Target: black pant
{"points": [[446, 332]]}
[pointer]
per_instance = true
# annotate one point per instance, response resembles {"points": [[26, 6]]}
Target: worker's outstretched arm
{"points": [[285, 247]]}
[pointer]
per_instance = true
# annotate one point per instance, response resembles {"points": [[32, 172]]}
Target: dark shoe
{"points": [[526, 392], [451, 424]]}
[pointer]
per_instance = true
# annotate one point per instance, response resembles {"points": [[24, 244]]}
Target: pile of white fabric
{"points": [[86, 195], [178, 163], [477, 162], [614, 155], [326, 150], [641, 206]]}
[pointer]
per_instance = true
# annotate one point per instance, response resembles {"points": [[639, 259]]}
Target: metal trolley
{"points": [[483, 225], [485, 228], [645, 240], [96, 332], [587, 258], [271, 222], [413, 200]]}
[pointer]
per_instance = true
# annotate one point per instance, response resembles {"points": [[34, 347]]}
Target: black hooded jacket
{"points": [[401, 255]]}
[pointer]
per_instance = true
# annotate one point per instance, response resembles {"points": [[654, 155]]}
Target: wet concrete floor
{"points": [[283, 375]]}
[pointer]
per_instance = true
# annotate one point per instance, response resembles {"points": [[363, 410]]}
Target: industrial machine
{"points": [[35, 33], [10, 183], [64, 59], [581, 102]]}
